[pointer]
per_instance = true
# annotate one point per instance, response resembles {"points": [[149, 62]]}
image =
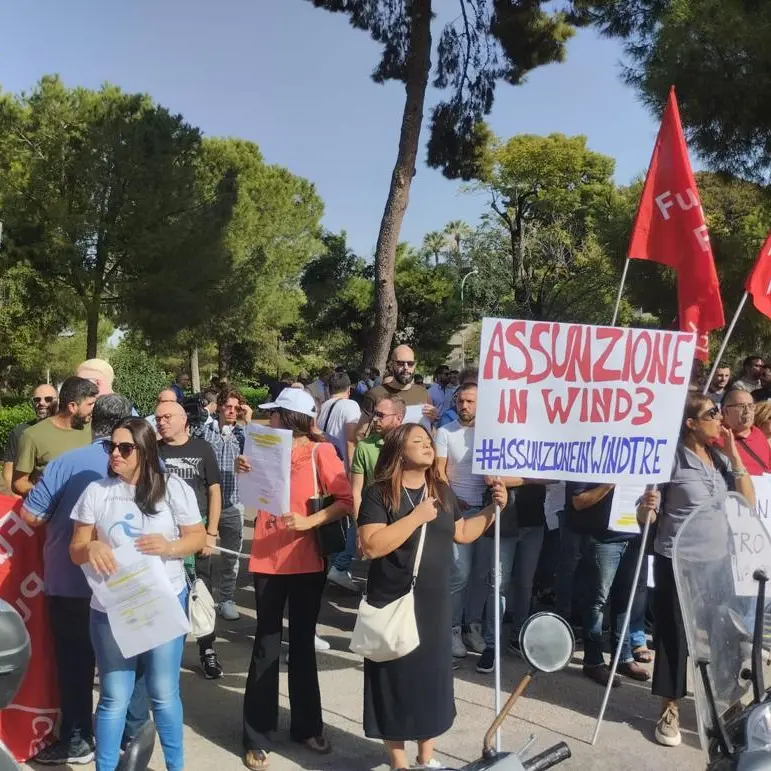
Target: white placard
{"points": [[140, 602], [578, 402], [266, 486], [554, 504], [750, 532], [414, 414], [623, 509]]}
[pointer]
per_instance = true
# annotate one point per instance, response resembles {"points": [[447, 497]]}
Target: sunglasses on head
{"points": [[46, 399], [124, 448]]}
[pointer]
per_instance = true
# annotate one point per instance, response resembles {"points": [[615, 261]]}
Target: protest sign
{"points": [[751, 540], [579, 402], [623, 509], [27, 725]]}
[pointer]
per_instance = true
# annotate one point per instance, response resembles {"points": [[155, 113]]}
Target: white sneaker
{"points": [[321, 645], [433, 763], [458, 648], [473, 639], [227, 610], [343, 579]]}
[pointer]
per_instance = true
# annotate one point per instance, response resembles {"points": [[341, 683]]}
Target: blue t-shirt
{"points": [[52, 500]]}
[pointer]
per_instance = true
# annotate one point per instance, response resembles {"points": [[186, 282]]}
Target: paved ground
{"points": [[561, 706]]}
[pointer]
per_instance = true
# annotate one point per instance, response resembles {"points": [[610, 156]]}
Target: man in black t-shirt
{"points": [[194, 461]]}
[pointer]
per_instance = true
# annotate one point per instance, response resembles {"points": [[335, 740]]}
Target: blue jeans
{"points": [[567, 586], [342, 560], [117, 676], [637, 636], [609, 574], [519, 554], [468, 578]]}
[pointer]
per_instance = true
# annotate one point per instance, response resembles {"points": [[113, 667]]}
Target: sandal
{"points": [[643, 655], [256, 760], [317, 744]]}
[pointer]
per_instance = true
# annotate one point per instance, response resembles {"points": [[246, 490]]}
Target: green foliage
{"points": [[716, 53], [12, 416], [138, 376], [255, 396]]}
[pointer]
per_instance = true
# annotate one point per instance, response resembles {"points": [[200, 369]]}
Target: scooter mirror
{"points": [[14, 653], [546, 641]]}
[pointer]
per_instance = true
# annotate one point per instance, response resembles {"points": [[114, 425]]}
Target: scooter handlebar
{"points": [[548, 758]]}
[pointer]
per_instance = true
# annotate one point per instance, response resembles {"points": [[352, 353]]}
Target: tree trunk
{"points": [[195, 374], [418, 69], [92, 329]]}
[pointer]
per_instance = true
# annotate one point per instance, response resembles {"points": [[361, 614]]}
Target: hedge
{"points": [[12, 416], [255, 396]]}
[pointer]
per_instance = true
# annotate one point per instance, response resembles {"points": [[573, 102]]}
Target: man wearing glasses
{"points": [[402, 365], [753, 447], [44, 403]]}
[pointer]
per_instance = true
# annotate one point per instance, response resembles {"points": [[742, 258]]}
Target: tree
{"points": [[490, 40], [455, 233], [139, 376], [716, 53], [434, 244], [99, 194]]}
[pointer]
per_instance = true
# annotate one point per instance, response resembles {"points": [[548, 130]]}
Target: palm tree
{"points": [[434, 244], [455, 233]]}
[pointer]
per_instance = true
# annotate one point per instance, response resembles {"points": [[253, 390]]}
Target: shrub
{"points": [[12, 416], [139, 377], [255, 396]]}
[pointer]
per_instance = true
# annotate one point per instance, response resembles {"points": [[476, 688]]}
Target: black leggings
{"points": [[670, 665]]}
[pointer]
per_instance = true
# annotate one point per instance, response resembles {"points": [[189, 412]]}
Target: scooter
{"points": [[547, 644], [723, 604], [15, 650]]}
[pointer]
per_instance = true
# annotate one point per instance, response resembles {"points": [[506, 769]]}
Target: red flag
{"points": [[670, 229], [759, 281]]}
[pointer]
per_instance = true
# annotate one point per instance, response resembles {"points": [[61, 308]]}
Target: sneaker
{"points": [[513, 646], [458, 648], [343, 579], [634, 671], [601, 674], [455, 665], [668, 727], [486, 663], [77, 753], [210, 664], [473, 639], [227, 610], [433, 763], [319, 644]]}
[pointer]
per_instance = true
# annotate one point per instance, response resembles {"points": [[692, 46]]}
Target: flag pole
{"points": [[498, 643], [724, 344], [624, 628], [620, 293]]}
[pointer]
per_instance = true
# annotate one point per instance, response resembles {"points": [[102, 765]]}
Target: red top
{"points": [[758, 444], [279, 551]]}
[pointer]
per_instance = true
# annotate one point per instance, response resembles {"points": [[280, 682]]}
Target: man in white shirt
{"points": [[454, 452], [339, 419]]}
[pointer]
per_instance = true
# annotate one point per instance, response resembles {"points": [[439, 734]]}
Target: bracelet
{"points": [[213, 535], [740, 472]]}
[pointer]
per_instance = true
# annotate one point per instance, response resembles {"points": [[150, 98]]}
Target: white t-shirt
{"points": [[334, 416], [456, 443], [109, 504]]}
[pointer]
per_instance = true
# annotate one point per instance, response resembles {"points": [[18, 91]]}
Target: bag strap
{"points": [[752, 452], [419, 552], [329, 415], [317, 483]]}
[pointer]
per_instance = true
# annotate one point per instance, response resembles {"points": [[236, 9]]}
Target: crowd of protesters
{"points": [[394, 460]]}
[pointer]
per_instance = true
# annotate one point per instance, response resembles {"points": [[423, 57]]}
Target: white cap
{"points": [[295, 400]]}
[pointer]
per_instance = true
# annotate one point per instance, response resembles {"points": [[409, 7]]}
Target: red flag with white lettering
{"points": [[670, 229], [759, 281]]}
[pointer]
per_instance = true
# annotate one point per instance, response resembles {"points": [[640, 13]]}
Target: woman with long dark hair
{"points": [[411, 698], [700, 473], [288, 567], [137, 502]]}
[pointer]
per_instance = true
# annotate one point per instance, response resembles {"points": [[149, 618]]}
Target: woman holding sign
{"points": [[700, 473], [411, 698], [158, 512]]}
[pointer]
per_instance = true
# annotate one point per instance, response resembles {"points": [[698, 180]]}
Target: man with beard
{"points": [[719, 384], [52, 437], [44, 403], [402, 365], [454, 456]]}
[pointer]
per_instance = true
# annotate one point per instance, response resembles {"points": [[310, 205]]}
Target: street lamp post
{"points": [[462, 328]]}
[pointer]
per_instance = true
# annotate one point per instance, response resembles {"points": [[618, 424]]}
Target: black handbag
{"points": [[331, 535]]}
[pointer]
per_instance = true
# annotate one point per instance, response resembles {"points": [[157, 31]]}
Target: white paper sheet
{"points": [[414, 414], [266, 486], [623, 512], [554, 504], [140, 601]]}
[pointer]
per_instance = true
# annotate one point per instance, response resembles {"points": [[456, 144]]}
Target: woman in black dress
{"points": [[411, 698]]}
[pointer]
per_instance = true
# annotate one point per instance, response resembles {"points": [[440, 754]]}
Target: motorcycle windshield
{"points": [[715, 554]]}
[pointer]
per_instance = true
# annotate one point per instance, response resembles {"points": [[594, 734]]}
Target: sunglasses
{"points": [[408, 364], [380, 415], [46, 399], [124, 448], [710, 414]]}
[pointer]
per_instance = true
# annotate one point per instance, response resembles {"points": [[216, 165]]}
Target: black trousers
{"points": [[69, 617], [303, 593], [670, 665]]}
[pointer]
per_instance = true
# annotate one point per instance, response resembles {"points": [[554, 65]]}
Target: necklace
{"points": [[409, 497]]}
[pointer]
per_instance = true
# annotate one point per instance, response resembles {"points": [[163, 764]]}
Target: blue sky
{"points": [[295, 80]]}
